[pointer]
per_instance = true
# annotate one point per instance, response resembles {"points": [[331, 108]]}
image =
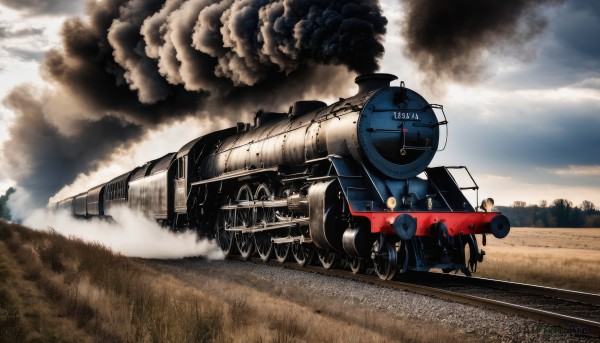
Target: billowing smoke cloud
{"points": [[131, 65], [42, 156], [131, 234], [448, 39]]}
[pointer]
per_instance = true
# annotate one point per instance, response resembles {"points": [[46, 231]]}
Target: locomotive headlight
{"points": [[391, 203]]}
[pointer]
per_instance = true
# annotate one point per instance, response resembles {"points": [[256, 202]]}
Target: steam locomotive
{"points": [[346, 182]]}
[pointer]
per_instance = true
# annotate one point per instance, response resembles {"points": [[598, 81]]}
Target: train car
{"points": [[66, 205], [116, 192], [80, 205], [151, 189], [95, 200]]}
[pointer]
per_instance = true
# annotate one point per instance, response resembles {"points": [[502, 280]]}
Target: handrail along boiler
{"points": [[350, 181]]}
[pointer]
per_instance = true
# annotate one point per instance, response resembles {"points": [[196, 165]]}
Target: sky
{"points": [[523, 112]]}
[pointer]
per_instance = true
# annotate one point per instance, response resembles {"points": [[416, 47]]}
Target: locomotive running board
{"points": [[270, 226], [235, 175]]}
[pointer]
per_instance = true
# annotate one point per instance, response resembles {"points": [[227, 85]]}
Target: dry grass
{"points": [[287, 313], [56, 289], [565, 258], [99, 295]]}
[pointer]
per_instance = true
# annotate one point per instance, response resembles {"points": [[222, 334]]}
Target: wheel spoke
{"points": [[470, 255], [357, 265], [385, 259], [264, 245], [264, 215], [328, 258], [243, 217], [282, 251], [225, 238], [303, 253]]}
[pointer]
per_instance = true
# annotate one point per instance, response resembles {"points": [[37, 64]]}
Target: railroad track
{"points": [[572, 312]]}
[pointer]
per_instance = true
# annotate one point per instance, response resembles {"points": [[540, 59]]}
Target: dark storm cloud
{"points": [[526, 139], [149, 62], [577, 24], [448, 39], [573, 47], [567, 54], [45, 7]]}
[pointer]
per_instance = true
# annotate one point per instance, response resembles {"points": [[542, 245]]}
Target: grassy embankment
{"points": [[563, 258], [57, 289], [53, 288]]}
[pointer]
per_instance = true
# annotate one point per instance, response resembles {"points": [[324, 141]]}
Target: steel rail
{"points": [[550, 292]]}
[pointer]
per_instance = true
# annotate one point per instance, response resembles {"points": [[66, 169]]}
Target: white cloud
{"points": [[492, 177], [592, 82], [574, 170], [15, 70], [505, 192]]}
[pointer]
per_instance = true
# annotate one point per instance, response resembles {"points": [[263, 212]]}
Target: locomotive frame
{"points": [[349, 181]]}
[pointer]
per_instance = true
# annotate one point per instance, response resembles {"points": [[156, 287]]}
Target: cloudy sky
{"points": [[520, 87]]}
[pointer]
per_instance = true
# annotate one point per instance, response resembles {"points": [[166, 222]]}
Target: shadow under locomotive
{"points": [[346, 181]]}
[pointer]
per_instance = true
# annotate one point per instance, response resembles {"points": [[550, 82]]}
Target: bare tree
{"points": [[519, 203], [561, 209], [588, 207]]}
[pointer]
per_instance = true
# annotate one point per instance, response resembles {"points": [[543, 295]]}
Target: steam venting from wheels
{"points": [[129, 233]]}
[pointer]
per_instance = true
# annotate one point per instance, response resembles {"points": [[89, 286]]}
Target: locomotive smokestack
{"points": [[370, 82]]}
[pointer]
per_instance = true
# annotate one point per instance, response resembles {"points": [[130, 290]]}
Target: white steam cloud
{"points": [[130, 233]]}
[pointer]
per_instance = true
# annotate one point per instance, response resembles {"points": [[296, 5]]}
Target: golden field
{"points": [[563, 258]]}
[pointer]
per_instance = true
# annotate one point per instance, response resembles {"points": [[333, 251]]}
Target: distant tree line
{"points": [[4, 210], [560, 213]]}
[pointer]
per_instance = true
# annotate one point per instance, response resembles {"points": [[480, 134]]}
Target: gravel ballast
{"points": [[310, 289]]}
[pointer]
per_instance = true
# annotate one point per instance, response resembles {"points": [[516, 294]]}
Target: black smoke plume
{"points": [[131, 65], [42, 156], [448, 39]]}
